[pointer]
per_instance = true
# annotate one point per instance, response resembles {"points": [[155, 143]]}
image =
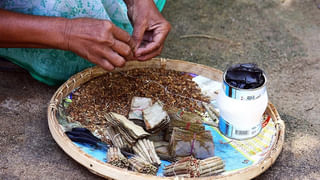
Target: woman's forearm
{"points": [[28, 31], [98, 41]]}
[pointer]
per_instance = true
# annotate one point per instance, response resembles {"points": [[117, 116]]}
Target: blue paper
{"points": [[232, 158]]}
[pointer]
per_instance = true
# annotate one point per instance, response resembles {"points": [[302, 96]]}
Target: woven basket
{"points": [[108, 171]]}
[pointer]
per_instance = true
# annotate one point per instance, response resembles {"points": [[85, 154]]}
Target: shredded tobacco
{"points": [[113, 92]]}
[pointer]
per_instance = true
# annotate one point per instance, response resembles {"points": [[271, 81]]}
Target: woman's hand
{"points": [[99, 41], [150, 28]]}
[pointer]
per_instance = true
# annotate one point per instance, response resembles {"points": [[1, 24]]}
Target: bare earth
{"points": [[281, 36]]}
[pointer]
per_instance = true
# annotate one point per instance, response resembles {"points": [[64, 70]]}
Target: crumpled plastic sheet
{"points": [[245, 76]]}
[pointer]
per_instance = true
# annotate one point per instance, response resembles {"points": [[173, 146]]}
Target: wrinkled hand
{"points": [[150, 28], [99, 41]]}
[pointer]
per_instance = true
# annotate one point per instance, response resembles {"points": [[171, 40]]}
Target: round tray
{"points": [[108, 171]]}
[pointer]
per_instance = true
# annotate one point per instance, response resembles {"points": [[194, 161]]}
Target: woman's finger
{"points": [[151, 55], [138, 33], [105, 64], [122, 49], [148, 48], [157, 41], [123, 36], [113, 57]]}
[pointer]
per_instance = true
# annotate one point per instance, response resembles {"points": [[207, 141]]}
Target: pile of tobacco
{"points": [[145, 116]]}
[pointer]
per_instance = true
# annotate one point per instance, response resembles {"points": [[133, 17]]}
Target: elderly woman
{"points": [[39, 34]]}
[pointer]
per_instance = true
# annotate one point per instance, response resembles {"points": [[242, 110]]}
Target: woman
{"points": [[39, 34]]}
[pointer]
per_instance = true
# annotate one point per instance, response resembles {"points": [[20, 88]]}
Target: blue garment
{"points": [[52, 66]]}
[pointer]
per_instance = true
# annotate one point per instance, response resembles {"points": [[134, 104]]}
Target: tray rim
{"points": [[108, 171]]}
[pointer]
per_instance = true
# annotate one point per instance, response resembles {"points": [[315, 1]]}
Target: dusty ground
{"points": [[281, 36]]}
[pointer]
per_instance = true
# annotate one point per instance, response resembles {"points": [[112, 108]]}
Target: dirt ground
{"points": [[281, 36]]}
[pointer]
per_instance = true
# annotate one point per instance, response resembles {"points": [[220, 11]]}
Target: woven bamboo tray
{"points": [[108, 171]]}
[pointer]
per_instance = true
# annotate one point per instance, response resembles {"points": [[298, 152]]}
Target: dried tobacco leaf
{"points": [[134, 130], [184, 120], [125, 128], [185, 143], [116, 138], [138, 104], [155, 117]]}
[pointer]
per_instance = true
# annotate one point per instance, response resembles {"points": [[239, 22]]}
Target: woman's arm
{"points": [[98, 41], [20, 30]]}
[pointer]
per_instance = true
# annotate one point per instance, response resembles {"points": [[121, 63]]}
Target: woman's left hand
{"points": [[150, 28]]}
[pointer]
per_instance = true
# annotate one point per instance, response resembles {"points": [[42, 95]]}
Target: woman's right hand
{"points": [[99, 41]]}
